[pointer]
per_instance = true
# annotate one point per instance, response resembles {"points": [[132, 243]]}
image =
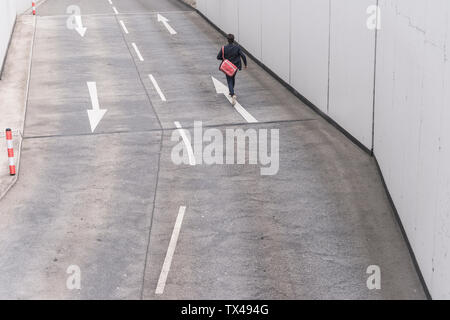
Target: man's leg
{"points": [[230, 81], [234, 81]]}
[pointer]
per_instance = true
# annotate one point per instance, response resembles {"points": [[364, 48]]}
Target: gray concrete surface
{"points": [[13, 95], [107, 202], [308, 232]]}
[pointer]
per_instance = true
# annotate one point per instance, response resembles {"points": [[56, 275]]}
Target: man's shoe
{"points": [[233, 100]]}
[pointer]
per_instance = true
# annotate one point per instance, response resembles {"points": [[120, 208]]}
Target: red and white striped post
{"points": [[9, 141], [33, 4]]}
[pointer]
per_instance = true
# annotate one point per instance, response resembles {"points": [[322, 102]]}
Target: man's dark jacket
{"points": [[234, 53]]}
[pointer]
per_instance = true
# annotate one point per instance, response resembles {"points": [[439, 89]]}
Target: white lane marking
{"points": [[244, 113], [158, 89], [110, 2], [223, 89], [137, 51], [79, 26], [92, 86], [165, 22], [115, 10], [187, 143], [123, 26], [170, 251], [96, 114]]}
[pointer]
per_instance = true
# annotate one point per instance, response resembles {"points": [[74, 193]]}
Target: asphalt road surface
{"points": [[110, 201]]}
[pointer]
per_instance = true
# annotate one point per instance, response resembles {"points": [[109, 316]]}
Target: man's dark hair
{"points": [[230, 38]]}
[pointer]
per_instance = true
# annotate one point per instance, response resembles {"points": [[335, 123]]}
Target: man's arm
{"points": [[244, 58], [220, 56]]}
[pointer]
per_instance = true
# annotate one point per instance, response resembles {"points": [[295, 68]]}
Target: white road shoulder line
{"points": [[170, 252], [123, 26], [187, 143], [115, 10], [158, 89], [137, 51]]}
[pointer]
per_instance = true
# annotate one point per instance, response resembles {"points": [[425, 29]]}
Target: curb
{"points": [[20, 132]]}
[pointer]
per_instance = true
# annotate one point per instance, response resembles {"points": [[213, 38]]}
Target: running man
{"points": [[233, 52]]}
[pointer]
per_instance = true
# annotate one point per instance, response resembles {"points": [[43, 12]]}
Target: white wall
{"points": [[324, 50], [412, 127], [8, 11], [250, 26], [7, 18], [229, 21], [275, 36], [352, 55], [310, 54], [23, 5]]}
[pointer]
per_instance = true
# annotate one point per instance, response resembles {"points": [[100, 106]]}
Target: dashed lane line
{"points": [[123, 26], [137, 51], [170, 252], [158, 89], [187, 143]]}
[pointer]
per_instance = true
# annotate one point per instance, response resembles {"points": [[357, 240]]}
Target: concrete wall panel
{"points": [[8, 11], [352, 54], [276, 36], [213, 11], [250, 13], [230, 17], [309, 54], [7, 18]]}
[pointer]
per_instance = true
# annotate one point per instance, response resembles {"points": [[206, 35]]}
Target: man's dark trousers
{"points": [[231, 82]]}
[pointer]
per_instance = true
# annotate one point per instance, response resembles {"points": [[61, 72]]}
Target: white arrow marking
{"points": [[187, 143], [80, 29], [221, 88], [158, 89], [96, 114], [170, 252], [165, 22], [123, 26], [137, 51]]}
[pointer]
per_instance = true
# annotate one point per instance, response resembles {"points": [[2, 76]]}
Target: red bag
{"points": [[227, 66]]}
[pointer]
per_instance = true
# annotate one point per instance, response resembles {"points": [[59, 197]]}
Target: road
{"points": [[108, 200]]}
